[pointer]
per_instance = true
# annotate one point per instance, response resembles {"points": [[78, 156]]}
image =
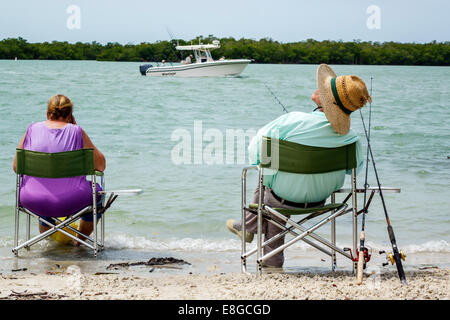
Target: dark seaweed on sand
{"points": [[151, 262]]}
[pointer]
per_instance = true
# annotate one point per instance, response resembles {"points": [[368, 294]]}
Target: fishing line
{"points": [[366, 185], [172, 38]]}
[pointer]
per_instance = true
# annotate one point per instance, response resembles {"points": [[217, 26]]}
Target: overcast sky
{"points": [[135, 21]]}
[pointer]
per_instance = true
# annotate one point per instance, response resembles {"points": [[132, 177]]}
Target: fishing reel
{"points": [[390, 257], [367, 252]]}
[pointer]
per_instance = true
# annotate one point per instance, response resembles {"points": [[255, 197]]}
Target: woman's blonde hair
{"points": [[59, 106]]}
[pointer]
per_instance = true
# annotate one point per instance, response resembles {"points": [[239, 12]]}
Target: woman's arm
{"points": [[20, 146], [99, 158]]}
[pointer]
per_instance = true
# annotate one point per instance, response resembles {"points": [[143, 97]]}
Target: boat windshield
{"points": [[203, 56]]}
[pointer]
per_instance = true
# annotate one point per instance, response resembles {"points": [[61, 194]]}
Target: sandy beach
{"points": [[431, 284]]}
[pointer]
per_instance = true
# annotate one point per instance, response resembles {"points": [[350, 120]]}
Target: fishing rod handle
{"points": [[398, 262], [397, 256], [360, 267], [359, 274]]}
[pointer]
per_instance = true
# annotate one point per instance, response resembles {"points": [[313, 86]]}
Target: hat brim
{"points": [[339, 120]]}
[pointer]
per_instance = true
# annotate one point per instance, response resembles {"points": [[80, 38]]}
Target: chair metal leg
{"points": [[28, 229], [94, 212], [243, 219], [16, 232], [16, 218], [259, 228], [355, 218], [102, 221], [103, 215], [333, 237]]}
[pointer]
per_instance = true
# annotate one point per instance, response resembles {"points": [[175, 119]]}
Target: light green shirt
{"points": [[311, 129]]}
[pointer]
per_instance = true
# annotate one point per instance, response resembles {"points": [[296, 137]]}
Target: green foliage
{"points": [[261, 51]]}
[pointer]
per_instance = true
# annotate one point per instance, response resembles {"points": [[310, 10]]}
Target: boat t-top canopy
{"points": [[201, 51], [201, 47], [198, 47]]}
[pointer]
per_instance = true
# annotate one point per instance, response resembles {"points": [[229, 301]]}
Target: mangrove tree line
{"points": [[261, 51]]}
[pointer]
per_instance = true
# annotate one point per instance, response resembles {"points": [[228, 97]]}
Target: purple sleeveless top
{"points": [[50, 197]]}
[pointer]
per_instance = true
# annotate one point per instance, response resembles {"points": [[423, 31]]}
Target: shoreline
{"points": [[432, 284], [253, 63]]}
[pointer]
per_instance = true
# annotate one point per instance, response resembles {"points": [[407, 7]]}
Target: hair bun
{"points": [[65, 105], [59, 106]]}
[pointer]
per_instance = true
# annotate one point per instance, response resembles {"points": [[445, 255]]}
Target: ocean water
{"points": [[133, 120]]}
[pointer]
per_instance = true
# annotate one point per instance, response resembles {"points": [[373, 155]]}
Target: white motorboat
{"points": [[204, 65]]}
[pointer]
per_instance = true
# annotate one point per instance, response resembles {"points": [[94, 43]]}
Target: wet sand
{"points": [[70, 284]]}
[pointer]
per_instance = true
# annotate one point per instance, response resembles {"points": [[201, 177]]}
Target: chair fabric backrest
{"points": [[298, 158], [55, 165]]}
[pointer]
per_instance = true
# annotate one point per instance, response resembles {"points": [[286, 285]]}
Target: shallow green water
{"points": [[183, 209]]}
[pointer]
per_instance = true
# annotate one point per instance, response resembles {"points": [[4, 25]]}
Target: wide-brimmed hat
{"points": [[340, 96]]}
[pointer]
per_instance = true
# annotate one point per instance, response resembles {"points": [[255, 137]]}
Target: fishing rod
{"points": [[363, 256], [276, 98], [397, 256], [172, 38]]}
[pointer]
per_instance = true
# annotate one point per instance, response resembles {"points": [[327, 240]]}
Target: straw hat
{"points": [[340, 96]]}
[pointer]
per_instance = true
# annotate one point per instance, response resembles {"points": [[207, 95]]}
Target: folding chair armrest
{"points": [[245, 169], [361, 190], [121, 192]]}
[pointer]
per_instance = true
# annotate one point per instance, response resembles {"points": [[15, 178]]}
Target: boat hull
{"points": [[207, 69]]}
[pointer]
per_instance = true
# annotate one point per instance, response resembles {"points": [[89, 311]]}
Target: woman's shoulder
{"points": [[77, 128], [73, 127], [36, 123], [33, 125]]}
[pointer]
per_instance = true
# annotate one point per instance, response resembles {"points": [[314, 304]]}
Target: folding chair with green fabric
{"points": [[63, 165], [290, 157]]}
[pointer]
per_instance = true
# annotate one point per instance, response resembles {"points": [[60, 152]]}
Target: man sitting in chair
{"points": [[327, 126]]}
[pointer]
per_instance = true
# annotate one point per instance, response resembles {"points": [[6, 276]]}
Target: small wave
{"points": [[119, 242], [433, 246], [122, 241], [228, 245], [9, 243], [430, 246], [9, 72], [6, 242]]}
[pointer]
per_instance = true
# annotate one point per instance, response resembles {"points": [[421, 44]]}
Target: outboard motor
{"points": [[143, 69]]}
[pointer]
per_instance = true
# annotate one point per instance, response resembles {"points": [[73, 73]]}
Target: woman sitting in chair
{"points": [[64, 196]]}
